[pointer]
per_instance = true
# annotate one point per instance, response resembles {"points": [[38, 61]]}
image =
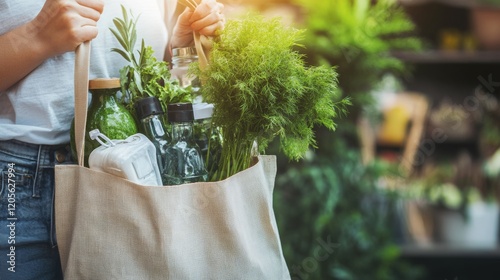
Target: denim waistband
{"points": [[28, 151]]}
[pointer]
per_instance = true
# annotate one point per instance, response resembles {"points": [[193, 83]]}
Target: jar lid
{"points": [[148, 106], [186, 51], [203, 111], [104, 83], [180, 112]]}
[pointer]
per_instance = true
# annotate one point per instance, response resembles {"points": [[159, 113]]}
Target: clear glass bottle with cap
{"points": [[152, 124], [184, 162], [181, 59]]}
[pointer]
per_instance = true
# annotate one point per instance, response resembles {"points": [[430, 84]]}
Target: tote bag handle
{"points": [[82, 63]]}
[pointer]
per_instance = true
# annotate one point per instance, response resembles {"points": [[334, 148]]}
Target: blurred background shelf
{"points": [[455, 57], [445, 251], [450, 73], [457, 3], [455, 263]]}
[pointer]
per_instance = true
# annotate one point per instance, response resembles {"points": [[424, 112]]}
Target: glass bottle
{"points": [[207, 136], [181, 59], [105, 114], [184, 163], [151, 117]]}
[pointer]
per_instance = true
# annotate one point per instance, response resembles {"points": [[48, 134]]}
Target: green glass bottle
{"points": [[106, 114]]}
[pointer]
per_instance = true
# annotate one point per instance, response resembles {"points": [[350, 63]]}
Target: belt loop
{"points": [[53, 239], [36, 193]]}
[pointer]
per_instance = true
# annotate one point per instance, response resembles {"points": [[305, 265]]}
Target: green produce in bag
{"points": [[105, 114]]}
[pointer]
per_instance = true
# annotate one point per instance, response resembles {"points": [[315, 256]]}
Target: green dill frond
{"points": [[262, 89]]}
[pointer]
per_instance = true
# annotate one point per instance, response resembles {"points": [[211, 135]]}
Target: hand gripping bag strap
{"points": [[202, 43]]}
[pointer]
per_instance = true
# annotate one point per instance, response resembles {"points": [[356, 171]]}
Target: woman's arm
{"points": [[60, 27]]}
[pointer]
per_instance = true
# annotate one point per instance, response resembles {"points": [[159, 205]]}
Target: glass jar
{"points": [[181, 59], [184, 163], [105, 114]]}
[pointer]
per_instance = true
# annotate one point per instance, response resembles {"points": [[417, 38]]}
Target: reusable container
{"points": [[133, 158]]}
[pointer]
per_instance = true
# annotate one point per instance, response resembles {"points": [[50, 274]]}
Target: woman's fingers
{"points": [[210, 22], [206, 7], [96, 5], [64, 24], [90, 12], [208, 17]]}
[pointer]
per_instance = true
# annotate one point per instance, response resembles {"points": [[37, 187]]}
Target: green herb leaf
{"points": [[145, 76]]}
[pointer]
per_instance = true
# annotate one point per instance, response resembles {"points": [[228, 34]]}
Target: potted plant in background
{"points": [[485, 19], [337, 220], [464, 206]]}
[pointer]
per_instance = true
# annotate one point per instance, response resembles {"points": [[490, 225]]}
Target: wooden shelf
{"points": [[454, 263], [431, 57], [457, 3], [446, 251]]}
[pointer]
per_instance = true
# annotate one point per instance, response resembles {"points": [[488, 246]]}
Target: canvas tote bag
{"points": [[110, 228]]}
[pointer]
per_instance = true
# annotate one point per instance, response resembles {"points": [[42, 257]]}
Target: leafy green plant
{"points": [[358, 37], [339, 200], [145, 75], [261, 89]]}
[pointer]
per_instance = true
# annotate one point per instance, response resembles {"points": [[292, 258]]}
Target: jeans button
{"points": [[60, 157]]}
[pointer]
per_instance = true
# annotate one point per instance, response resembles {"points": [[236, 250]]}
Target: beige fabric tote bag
{"points": [[111, 228]]}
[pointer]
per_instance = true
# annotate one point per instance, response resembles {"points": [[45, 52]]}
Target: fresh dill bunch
{"points": [[144, 75], [262, 89]]}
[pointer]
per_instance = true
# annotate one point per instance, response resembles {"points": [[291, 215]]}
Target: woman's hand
{"points": [[207, 20], [60, 27]]}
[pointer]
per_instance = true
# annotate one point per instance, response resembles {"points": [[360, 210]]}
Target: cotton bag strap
{"points": [[82, 63]]}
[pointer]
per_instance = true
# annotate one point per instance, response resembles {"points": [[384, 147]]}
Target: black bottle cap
{"points": [[148, 106], [180, 112]]}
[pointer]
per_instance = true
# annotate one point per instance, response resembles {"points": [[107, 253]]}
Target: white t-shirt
{"points": [[39, 108]]}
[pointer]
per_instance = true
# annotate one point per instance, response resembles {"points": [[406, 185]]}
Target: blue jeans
{"points": [[28, 248]]}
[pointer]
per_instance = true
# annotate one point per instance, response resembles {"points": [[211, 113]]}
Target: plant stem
{"points": [[235, 157]]}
